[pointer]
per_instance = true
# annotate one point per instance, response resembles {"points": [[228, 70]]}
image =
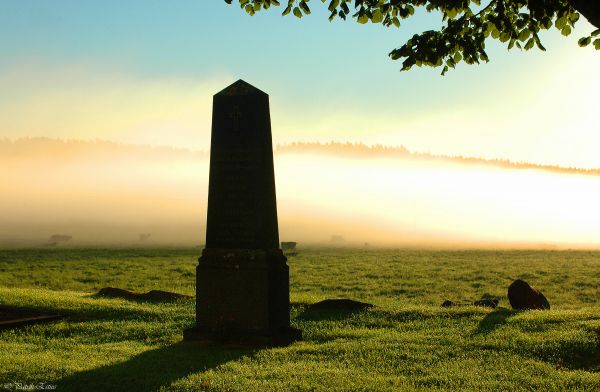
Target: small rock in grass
{"points": [[152, 295], [114, 292], [524, 297], [159, 296], [340, 304], [487, 302], [448, 304]]}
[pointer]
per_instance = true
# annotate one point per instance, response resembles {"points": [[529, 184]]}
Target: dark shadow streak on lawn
{"points": [[378, 316], [494, 320], [572, 355], [90, 311], [153, 369]]}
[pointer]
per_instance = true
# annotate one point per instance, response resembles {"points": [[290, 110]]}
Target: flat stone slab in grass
{"points": [[18, 317], [152, 295], [340, 304]]}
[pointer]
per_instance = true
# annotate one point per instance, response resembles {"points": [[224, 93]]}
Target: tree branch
{"points": [[588, 8]]}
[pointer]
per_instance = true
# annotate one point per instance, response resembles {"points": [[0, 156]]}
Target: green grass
{"points": [[406, 342]]}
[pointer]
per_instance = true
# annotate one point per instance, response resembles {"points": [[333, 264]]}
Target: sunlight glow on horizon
{"points": [[449, 202], [114, 194]]}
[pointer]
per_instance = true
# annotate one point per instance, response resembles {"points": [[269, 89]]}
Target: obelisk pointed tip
{"points": [[240, 87]]}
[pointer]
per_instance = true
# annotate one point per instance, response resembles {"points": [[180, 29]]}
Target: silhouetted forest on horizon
{"points": [[379, 150], [44, 147], [61, 149]]}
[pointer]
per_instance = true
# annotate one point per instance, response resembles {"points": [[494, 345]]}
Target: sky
{"points": [[145, 71]]}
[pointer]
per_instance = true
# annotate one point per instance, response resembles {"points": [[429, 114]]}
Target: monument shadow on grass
{"points": [[152, 369]]}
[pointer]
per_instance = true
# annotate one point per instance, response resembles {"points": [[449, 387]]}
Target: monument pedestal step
{"points": [[239, 338]]}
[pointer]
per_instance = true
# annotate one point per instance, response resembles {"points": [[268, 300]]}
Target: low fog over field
{"points": [[338, 194]]}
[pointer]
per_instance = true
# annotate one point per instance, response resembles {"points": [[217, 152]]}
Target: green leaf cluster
{"points": [[253, 6], [585, 41], [467, 25]]}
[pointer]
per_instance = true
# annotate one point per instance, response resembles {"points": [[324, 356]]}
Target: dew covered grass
{"points": [[407, 342]]}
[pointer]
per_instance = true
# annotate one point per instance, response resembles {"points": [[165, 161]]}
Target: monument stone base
{"points": [[241, 338], [242, 298]]}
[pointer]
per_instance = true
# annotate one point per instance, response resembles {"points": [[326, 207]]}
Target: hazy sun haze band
{"points": [[104, 192]]}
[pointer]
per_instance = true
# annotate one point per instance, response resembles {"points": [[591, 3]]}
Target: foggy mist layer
{"points": [[104, 193]]}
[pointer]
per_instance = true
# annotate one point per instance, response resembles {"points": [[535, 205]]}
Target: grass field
{"points": [[407, 342]]}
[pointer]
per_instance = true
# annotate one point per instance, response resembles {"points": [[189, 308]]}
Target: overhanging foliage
{"points": [[467, 24]]}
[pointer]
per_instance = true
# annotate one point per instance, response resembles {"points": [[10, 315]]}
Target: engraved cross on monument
{"points": [[242, 279]]}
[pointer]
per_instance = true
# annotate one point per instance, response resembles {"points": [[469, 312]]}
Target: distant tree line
{"points": [[63, 150], [42, 147], [379, 150]]}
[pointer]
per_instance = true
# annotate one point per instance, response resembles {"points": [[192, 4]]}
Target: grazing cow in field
{"points": [[337, 239], [56, 239]]}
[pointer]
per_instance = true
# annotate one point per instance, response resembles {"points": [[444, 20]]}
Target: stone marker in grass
{"points": [[152, 295], [242, 279], [11, 317], [524, 297]]}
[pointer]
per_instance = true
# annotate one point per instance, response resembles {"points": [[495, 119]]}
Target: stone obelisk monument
{"points": [[242, 279]]}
